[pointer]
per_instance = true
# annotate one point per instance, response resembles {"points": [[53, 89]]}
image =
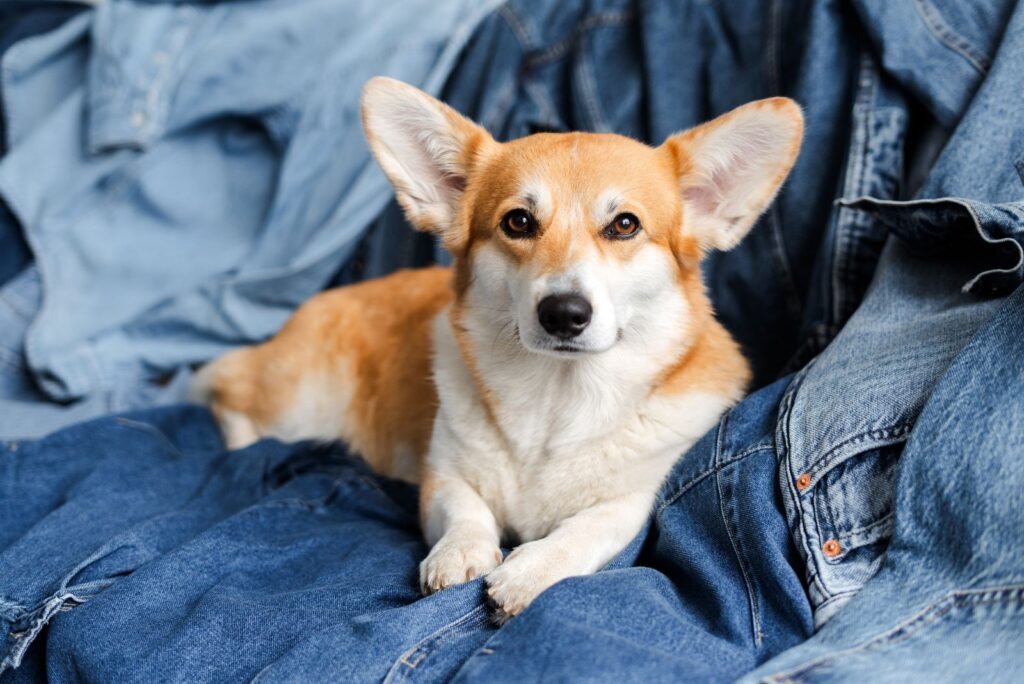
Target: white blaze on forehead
{"points": [[607, 206], [536, 196]]}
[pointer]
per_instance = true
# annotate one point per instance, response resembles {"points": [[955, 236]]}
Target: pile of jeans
{"points": [[180, 176]]}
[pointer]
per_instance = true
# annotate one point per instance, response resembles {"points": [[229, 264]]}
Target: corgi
{"points": [[541, 388]]}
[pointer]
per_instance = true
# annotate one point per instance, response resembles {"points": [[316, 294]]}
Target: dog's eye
{"points": [[519, 223], [622, 227]]}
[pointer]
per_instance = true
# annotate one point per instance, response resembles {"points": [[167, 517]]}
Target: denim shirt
{"points": [[208, 153]]}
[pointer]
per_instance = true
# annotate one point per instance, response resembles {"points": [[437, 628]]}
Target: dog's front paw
{"points": [[526, 572], [455, 559]]}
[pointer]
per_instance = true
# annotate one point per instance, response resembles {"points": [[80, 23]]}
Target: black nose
{"points": [[564, 315]]}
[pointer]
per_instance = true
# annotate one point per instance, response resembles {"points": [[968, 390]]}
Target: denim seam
{"points": [[158, 97], [62, 600], [778, 243], [410, 659], [854, 180], [966, 206], [748, 583], [339, 486], [887, 436], [864, 529], [562, 47], [548, 114], [874, 531], [800, 531], [670, 499], [588, 89], [10, 104], [823, 520], [771, 57], [519, 29], [947, 36], [911, 626], [838, 597], [1020, 251], [504, 103], [131, 424], [792, 300]]}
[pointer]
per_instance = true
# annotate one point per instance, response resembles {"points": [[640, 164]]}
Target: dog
{"points": [[540, 389]]}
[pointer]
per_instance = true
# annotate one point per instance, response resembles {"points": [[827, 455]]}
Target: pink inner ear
{"points": [[715, 189], [701, 198]]}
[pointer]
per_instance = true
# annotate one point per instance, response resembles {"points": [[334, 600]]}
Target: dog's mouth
{"points": [[562, 348]]}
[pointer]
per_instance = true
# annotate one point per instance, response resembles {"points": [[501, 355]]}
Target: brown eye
{"points": [[519, 223], [622, 227]]}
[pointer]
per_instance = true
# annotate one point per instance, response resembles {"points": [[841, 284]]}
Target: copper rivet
{"points": [[803, 481], [832, 548]]}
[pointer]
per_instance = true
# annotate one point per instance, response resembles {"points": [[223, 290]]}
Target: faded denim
{"points": [[207, 154]]}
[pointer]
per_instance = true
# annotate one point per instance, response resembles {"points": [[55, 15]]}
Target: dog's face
{"points": [[573, 243]]}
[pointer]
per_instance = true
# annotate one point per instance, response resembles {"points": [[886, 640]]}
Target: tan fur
{"points": [[381, 330], [404, 370], [383, 325]]}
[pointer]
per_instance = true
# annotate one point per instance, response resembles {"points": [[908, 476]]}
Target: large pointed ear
{"points": [[426, 148], [731, 168]]}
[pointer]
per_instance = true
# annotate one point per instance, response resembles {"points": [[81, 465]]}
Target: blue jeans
{"points": [[136, 549]]}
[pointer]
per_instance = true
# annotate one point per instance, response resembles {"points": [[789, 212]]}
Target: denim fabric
{"points": [[847, 415], [131, 541], [802, 510], [24, 408], [20, 20], [948, 601], [207, 154]]}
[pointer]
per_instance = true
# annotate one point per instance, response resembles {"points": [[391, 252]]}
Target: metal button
{"points": [[832, 548], [803, 481]]}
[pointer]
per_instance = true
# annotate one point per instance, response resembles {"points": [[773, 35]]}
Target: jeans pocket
{"points": [[853, 503]]}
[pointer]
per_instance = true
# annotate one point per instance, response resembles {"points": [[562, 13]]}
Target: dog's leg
{"points": [[462, 530], [579, 545]]}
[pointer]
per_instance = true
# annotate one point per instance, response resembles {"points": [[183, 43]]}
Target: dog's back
{"points": [[352, 364]]}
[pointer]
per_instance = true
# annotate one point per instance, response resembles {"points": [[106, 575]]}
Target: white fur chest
{"points": [[563, 437]]}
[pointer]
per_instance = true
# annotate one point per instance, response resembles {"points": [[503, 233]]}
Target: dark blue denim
{"points": [[136, 549]]}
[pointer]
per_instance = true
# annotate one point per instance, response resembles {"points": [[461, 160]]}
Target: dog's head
{"points": [[576, 241]]}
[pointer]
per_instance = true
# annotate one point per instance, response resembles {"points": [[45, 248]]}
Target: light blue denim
{"points": [[187, 174], [846, 417]]}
